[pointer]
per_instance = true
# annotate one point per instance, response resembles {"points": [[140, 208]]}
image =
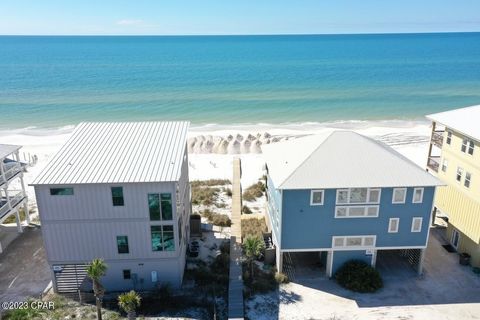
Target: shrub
{"points": [[221, 220], [281, 277], [204, 195], [254, 191], [228, 191], [210, 183], [246, 210], [359, 276], [253, 226]]}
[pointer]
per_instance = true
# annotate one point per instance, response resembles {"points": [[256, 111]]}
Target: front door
{"points": [[455, 238]]}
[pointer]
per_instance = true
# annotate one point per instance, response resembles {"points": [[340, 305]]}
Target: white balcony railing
{"points": [[10, 169], [14, 198]]}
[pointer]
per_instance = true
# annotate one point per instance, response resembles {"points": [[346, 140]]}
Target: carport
{"points": [[305, 264], [399, 261]]}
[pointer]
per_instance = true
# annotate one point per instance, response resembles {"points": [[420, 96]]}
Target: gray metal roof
{"points": [[341, 159], [464, 120], [7, 149], [119, 152]]}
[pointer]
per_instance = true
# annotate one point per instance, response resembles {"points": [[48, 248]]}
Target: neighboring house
{"points": [[344, 196], [120, 192], [12, 190], [454, 156]]}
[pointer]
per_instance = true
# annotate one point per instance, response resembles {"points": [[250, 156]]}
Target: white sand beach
{"points": [[212, 148]]}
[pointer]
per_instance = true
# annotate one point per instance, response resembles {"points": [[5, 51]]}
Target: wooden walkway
{"points": [[235, 287]]}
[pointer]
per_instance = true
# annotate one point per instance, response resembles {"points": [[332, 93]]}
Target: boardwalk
{"points": [[235, 288]]}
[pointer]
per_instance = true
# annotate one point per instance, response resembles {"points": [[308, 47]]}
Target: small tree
{"points": [[129, 302], [254, 247], [95, 270]]}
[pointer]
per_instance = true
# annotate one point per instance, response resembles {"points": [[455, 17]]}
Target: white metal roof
{"points": [[119, 152], [341, 159], [464, 120], [7, 149]]}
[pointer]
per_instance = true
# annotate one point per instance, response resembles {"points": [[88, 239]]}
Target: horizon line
{"points": [[233, 35]]}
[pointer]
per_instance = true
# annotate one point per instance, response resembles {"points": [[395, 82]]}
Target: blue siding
{"points": [[309, 227], [340, 257]]}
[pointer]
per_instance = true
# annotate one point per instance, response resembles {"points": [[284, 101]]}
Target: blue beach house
{"points": [[342, 196]]}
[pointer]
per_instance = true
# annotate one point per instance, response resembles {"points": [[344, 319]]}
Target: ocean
{"points": [[50, 82]]}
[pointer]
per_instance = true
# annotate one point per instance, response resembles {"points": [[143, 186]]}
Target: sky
{"points": [[213, 17]]}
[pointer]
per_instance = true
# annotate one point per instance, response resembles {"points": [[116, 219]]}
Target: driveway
{"points": [[447, 290], [23, 267]]}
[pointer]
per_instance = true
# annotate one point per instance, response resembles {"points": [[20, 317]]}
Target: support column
{"points": [[19, 222], [25, 206], [374, 258], [329, 267], [279, 258], [434, 216], [420, 262]]}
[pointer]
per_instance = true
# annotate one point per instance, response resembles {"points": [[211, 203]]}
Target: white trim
{"points": [[421, 195], [373, 261], [413, 224], [359, 203], [347, 212], [390, 225], [404, 196], [455, 231], [335, 249], [311, 197]]}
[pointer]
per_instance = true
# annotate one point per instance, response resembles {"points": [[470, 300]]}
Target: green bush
{"points": [[221, 220], [254, 191], [204, 195], [228, 191], [210, 183], [281, 277], [359, 276]]}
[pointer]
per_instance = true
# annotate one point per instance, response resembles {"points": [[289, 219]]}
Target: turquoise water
{"points": [[57, 81]]}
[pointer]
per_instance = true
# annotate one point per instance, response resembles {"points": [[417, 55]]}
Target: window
{"points": [[117, 196], [417, 195], [399, 195], [468, 178], [459, 174], [358, 195], [467, 146], [127, 274], [122, 244], [449, 137], [154, 206], [316, 197], [353, 241], [444, 165], [356, 211], [393, 225], [162, 238], [417, 224], [166, 199], [61, 191]]}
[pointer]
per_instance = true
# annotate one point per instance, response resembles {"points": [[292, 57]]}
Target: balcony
{"points": [[13, 200], [433, 163], [437, 138], [11, 168]]}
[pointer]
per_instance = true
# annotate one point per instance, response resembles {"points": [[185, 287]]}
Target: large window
{"points": [[117, 196], [467, 146], [354, 242], [418, 195], [122, 244], [358, 195], [160, 206], [356, 211], [399, 195], [316, 197], [162, 238], [61, 191], [393, 225], [417, 224]]}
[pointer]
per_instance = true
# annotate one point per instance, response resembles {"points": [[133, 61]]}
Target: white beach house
{"points": [[120, 192]]}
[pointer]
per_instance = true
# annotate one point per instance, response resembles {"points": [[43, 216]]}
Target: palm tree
{"points": [[95, 270], [253, 246], [128, 302]]}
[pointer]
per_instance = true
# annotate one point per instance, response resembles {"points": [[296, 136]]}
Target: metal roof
{"points": [[119, 152], [7, 149], [464, 120], [341, 159]]}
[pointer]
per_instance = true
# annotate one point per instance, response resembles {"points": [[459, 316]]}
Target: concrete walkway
{"points": [[235, 287]]}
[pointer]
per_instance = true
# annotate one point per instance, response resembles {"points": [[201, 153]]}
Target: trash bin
{"points": [[464, 259]]}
